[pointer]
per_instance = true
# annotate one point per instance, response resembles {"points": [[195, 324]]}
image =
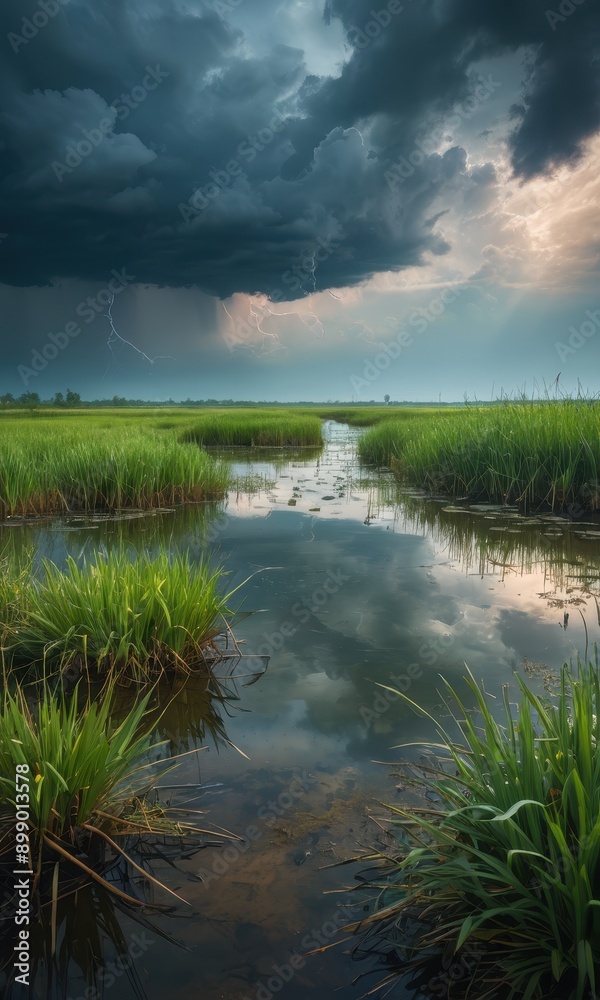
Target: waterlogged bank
{"points": [[54, 466], [57, 461], [509, 867], [540, 455]]}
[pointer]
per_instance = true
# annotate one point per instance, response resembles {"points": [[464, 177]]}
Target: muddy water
{"points": [[353, 584]]}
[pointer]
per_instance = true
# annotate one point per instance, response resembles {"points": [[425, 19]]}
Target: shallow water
{"points": [[363, 585]]}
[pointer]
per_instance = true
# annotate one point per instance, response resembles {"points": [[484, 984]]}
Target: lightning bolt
{"points": [[353, 129], [266, 335], [363, 330], [313, 270], [233, 324], [259, 311], [311, 320], [315, 326], [115, 338]]}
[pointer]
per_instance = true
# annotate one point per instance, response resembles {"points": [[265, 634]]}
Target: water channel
{"points": [[352, 582]]}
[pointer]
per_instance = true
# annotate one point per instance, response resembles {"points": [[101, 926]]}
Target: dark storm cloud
{"points": [[147, 135], [420, 64]]}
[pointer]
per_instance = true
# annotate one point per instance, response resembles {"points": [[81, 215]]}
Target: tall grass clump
{"points": [[120, 615], [76, 761], [536, 454], [510, 863], [85, 779], [258, 429], [54, 467]]}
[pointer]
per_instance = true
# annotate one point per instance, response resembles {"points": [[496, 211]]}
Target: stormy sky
{"points": [[254, 199]]}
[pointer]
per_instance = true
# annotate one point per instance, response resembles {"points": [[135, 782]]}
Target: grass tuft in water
{"points": [[510, 864], [132, 616], [55, 467], [77, 781]]}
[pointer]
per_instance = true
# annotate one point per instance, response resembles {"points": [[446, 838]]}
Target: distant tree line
{"points": [[72, 400]]}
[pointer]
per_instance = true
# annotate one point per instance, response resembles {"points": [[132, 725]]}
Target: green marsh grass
{"points": [[535, 454], [121, 614], [510, 862], [257, 429], [76, 760], [87, 778], [63, 461], [55, 466], [371, 416], [14, 578]]}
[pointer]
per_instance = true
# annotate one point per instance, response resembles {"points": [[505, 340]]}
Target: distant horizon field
{"points": [[182, 413], [102, 406]]}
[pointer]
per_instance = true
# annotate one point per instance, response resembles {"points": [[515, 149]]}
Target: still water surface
{"points": [[354, 584]]}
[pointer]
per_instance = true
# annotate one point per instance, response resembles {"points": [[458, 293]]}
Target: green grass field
{"points": [[60, 461], [370, 416], [59, 464], [536, 454], [255, 429]]}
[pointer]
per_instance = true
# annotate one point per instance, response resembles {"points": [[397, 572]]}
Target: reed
{"points": [[536, 454], [120, 615], [54, 467], [510, 862], [258, 429], [75, 761], [77, 782]]}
